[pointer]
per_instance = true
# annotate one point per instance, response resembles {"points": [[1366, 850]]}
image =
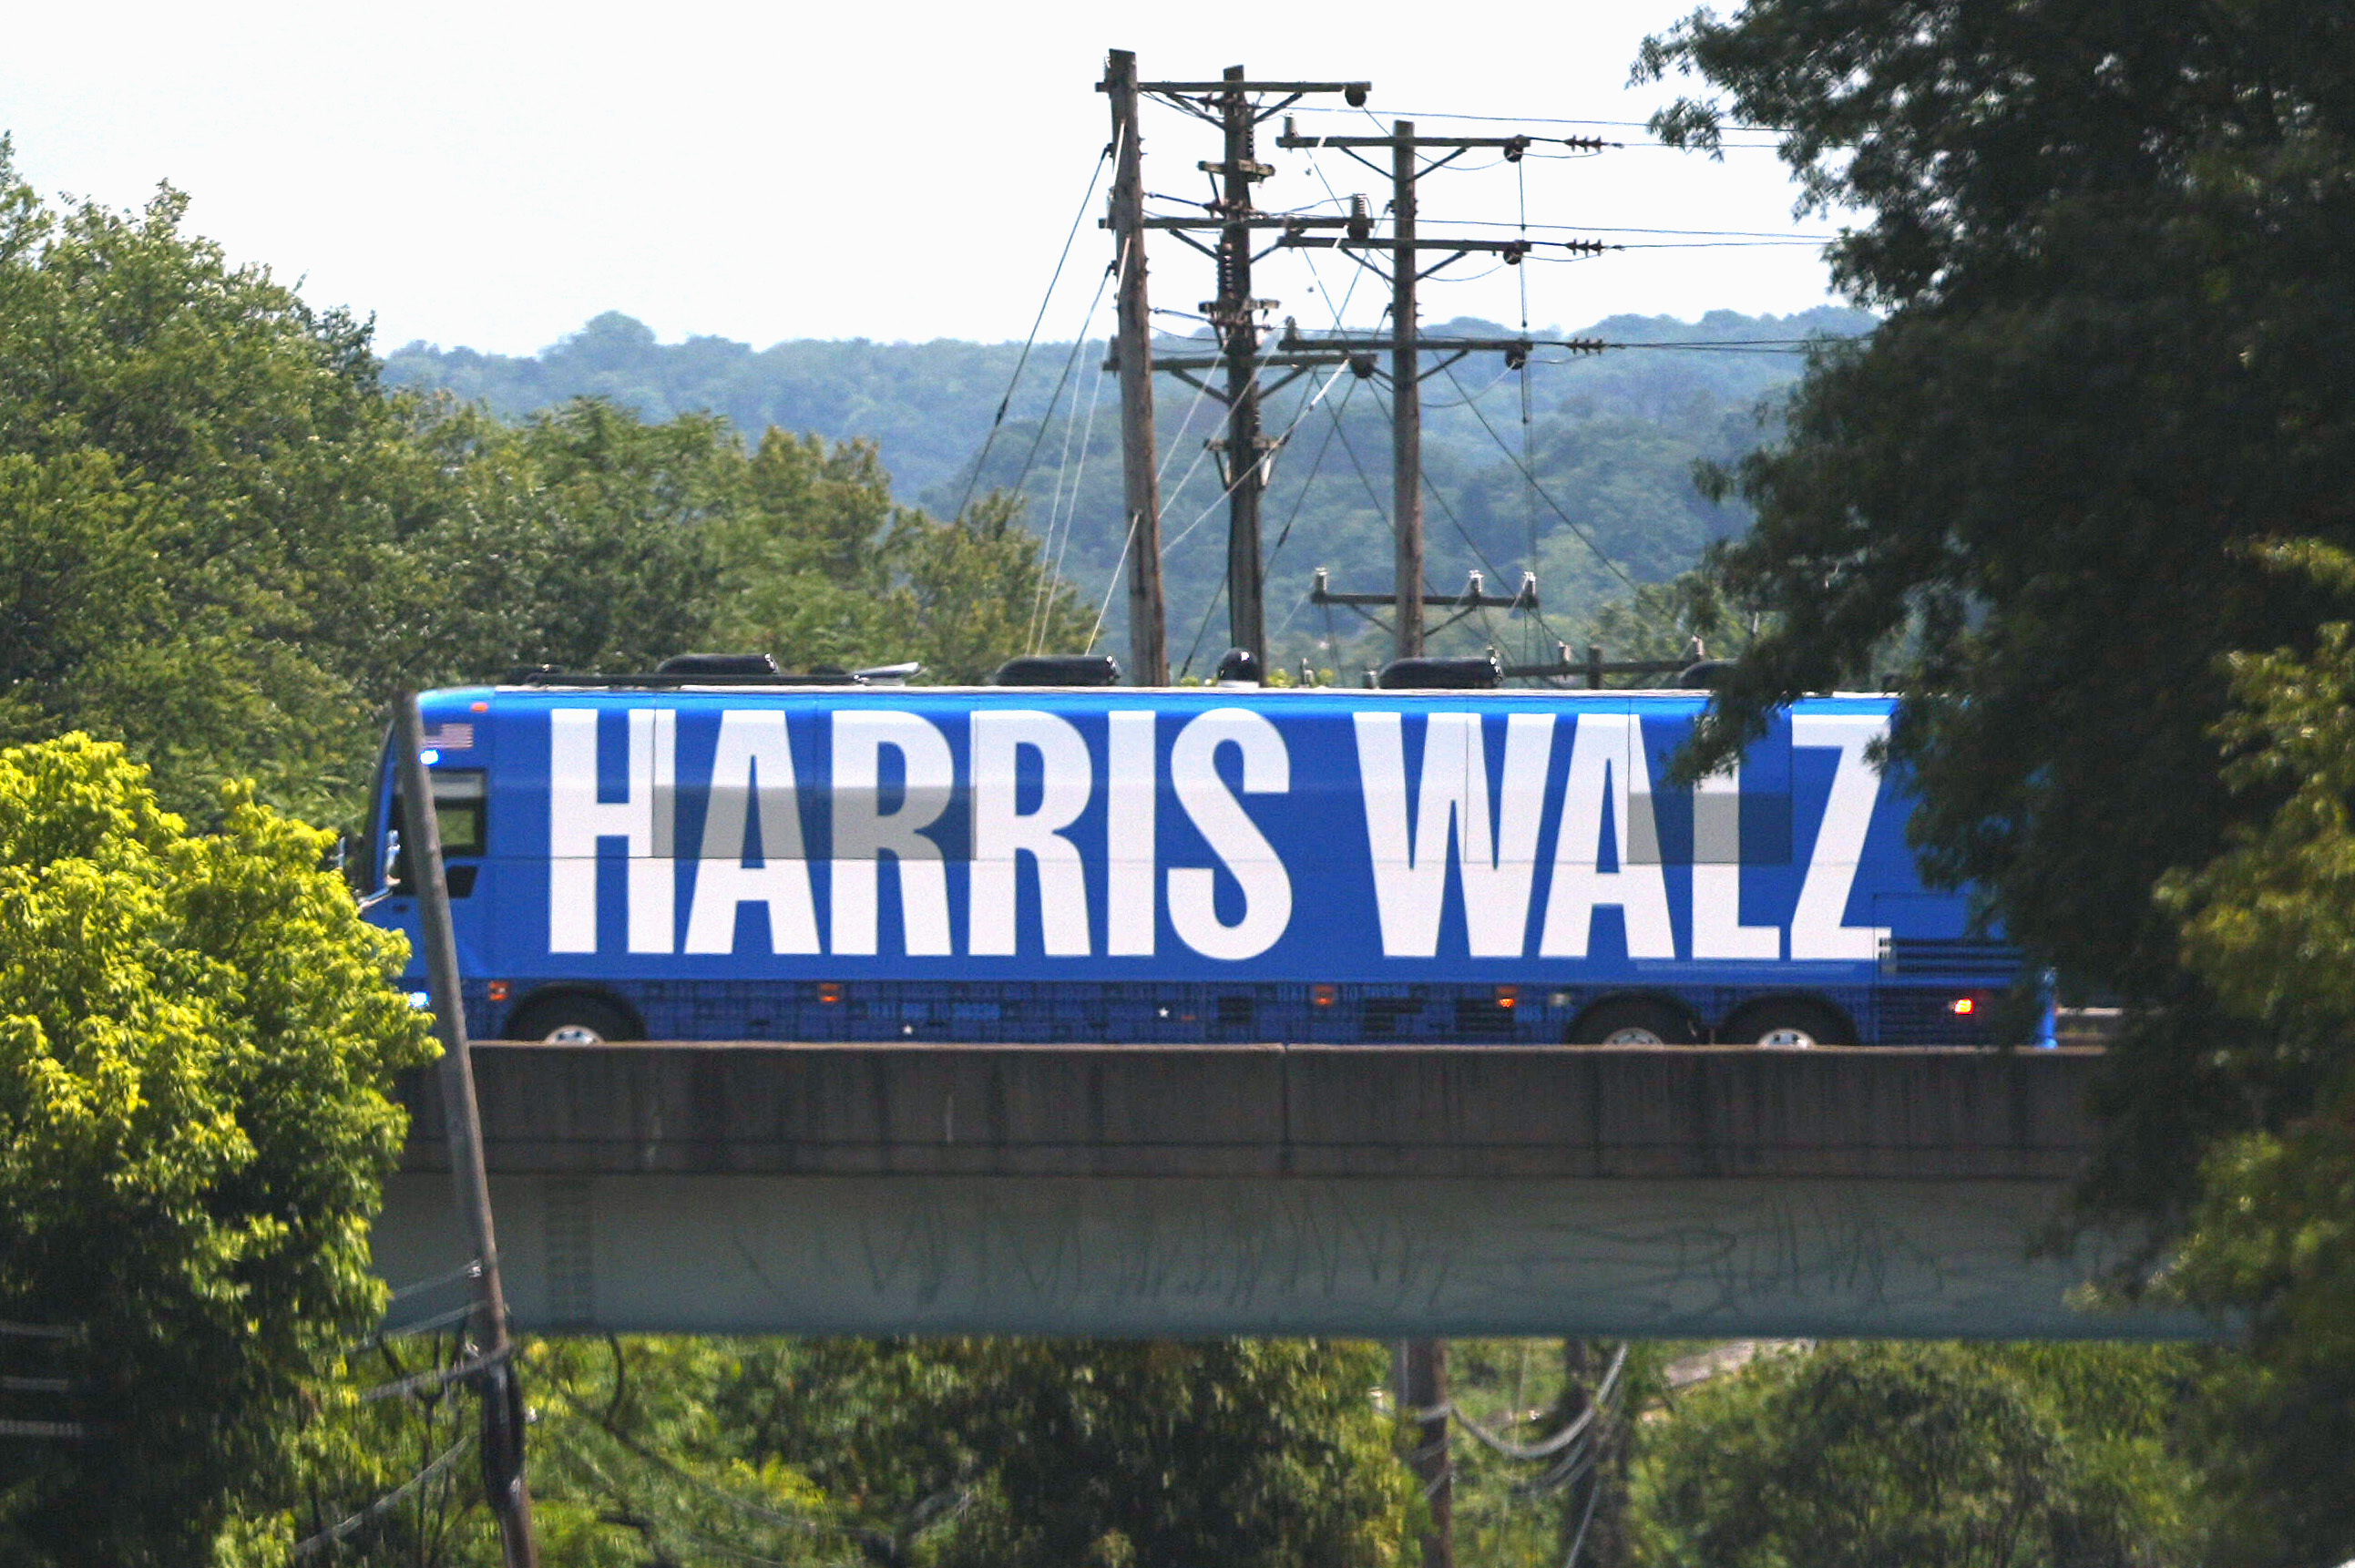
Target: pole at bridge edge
{"points": [[499, 1386]]}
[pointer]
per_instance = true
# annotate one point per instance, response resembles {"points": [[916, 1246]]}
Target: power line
{"points": [[1095, 174], [336, 1535]]}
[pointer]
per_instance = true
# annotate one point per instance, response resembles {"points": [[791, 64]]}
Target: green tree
{"points": [[2270, 925], [201, 444], [1933, 1455], [197, 1042], [977, 591], [2115, 356], [1251, 1453]]}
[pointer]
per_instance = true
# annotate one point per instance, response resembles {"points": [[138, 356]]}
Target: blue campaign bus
{"points": [[681, 858]]}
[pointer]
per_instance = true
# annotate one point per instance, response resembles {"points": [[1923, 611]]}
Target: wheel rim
{"points": [[573, 1034], [1788, 1037], [1634, 1034]]}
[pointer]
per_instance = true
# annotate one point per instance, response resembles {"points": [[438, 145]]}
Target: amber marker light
{"points": [[1962, 1007], [499, 990], [1508, 996], [1324, 996], [829, 992]]}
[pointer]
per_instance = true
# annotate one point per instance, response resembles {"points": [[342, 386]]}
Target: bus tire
{"points": [[1788, 1023], [1634, 1020], [573, 1018]]}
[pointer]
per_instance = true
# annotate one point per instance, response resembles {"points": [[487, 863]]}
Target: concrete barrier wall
{"points": [[1346, 1112], [1379, 1191]]}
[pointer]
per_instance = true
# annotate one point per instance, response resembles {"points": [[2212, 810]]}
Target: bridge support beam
{"points": [[1387, 1192]]}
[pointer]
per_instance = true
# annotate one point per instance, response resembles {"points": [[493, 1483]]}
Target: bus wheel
{"points": [[1791, 1023], [1634, 1020], [572, 1020]]}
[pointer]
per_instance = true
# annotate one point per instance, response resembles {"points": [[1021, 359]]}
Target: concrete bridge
{"points": [[1383, 1191]]}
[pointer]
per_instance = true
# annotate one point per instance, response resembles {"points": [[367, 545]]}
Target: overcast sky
{"points": [[496, 172]]}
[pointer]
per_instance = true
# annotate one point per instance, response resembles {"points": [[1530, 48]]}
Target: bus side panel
{"points": [[680, 848]]}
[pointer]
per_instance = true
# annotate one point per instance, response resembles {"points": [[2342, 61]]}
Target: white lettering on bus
{"points": [[1606, 762], [864, 833], [752, 769], [1231, 834], [577, 820], [1131, 805], [1818, 925], [1498, 862], [1002, 833], [1716, 928]]}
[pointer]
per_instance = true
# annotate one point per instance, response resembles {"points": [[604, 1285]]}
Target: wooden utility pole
{"points": [[1422, 1394], [1235, 316], [1405, 341], [1148, 644], [504, 1482], [1406, 398]]}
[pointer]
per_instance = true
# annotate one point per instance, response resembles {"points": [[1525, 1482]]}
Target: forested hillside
{"points": [[1611, 439]]}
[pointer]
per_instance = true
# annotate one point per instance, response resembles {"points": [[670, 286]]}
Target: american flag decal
{"points": [[452, 736]]}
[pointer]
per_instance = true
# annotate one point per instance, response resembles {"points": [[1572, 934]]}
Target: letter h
{"points": [[578, 820]]}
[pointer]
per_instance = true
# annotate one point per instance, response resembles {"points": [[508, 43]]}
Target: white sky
{"points": [[495, 173]]}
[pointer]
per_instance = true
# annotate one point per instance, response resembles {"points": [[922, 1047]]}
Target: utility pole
{"points": [[1406, 415], [1422, 1395], [1149, 646], [504, 1483], [1405, 341], [1234, 315]]}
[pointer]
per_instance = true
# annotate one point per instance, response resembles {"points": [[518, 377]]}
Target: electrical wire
{"points": [[1128, 541], [1585, 538], [471, 1269], [1338, 371], [1042, 594], [434, 1378], [1622, 228], [1055, 398], [336, 1535], [1096, 175], [1560, 1440], [1520, 119]]}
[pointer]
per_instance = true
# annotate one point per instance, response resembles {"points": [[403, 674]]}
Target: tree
{"points": [[1933, 1455], [200, 446], [2270, 925], [1250, 1453], [977, 591], [197, 1042], [2049, 497], [2115, 356]]}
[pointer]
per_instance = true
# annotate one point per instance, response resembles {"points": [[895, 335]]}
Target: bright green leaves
{"points": [[197, 1040]]}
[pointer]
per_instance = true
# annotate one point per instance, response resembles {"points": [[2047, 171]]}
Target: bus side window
{"points": [[460, 798]]}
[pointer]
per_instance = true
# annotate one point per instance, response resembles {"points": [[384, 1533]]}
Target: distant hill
{"points": [[1612, 438]]}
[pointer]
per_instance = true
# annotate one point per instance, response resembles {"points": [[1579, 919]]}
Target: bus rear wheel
{"points": [[574, 1019], [1634, 1020], [1790, 1023]]}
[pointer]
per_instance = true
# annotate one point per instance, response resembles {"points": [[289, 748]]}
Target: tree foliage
{"points": [[1859, 1456], [2270, 925], [224, 543], [197, 1042], [2054, 497], [2115, 355], [948, 1453]]}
